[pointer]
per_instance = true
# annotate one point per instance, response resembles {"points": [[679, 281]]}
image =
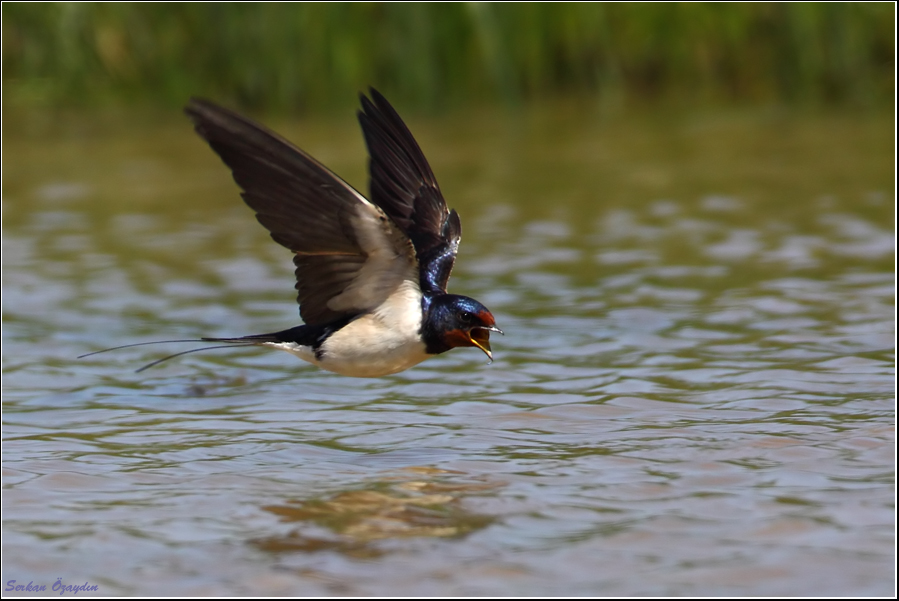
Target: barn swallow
{"points": [[371, 275]]}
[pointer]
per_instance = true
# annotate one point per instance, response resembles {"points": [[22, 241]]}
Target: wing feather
{"points": [[404, 187], [349, 256]]}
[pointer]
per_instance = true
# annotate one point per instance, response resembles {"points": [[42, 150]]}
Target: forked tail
{"points": [[306, 335], [232, 342]]}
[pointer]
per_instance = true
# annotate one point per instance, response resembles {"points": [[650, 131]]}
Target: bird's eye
{"points": [[466, 316]]}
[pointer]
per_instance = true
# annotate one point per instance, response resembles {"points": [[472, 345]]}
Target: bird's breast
{"points": [[384, 341]]}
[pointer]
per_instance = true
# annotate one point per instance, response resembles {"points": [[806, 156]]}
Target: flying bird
{"points": [[371, 274]]}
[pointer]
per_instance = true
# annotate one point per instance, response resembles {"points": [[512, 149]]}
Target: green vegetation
{"points": [[307, 56]]}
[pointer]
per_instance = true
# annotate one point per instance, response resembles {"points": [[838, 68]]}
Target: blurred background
{"points": [[314, 56], [681, 214]]}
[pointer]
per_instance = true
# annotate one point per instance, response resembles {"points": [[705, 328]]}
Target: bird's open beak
{"points": [[480, 337]]}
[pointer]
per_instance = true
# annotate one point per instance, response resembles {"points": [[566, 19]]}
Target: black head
{"points": [[454, 320]]}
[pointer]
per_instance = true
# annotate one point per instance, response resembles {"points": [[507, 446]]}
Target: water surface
{"points": [[694, 396]]}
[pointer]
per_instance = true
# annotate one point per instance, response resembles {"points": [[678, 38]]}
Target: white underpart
{"points": [[386, 338], [383, 342]]}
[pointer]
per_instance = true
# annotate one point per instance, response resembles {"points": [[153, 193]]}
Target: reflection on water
{"points": [[695, 393], [403, 506]]}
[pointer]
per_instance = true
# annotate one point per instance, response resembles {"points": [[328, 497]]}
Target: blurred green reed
{"points": [[307, 56]]}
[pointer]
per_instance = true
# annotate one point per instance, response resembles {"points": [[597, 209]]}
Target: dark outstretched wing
{"points": [[349, 256], [404, 187]]}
